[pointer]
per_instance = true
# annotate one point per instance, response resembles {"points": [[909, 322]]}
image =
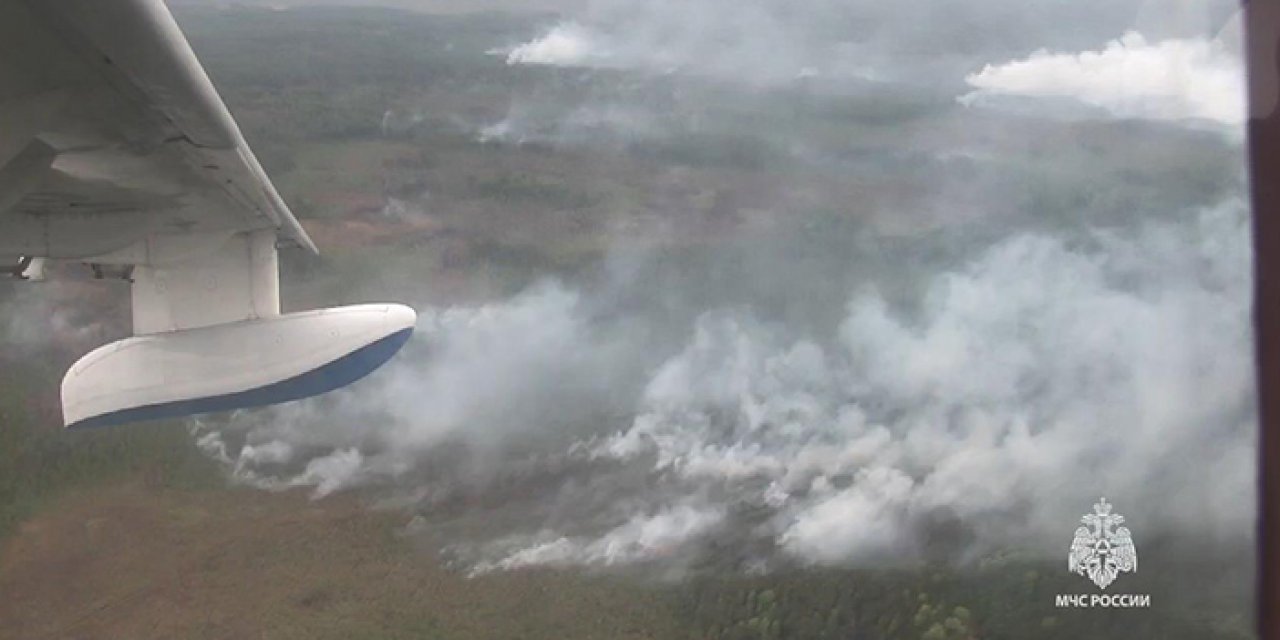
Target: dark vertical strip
{"points": [[1264, 161]]}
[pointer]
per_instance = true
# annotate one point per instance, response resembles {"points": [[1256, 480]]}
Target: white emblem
{"points": [[1102, 548]]}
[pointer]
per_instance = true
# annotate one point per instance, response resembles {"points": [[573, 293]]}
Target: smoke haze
{"points": [[1034, 378], [984, 265], [1131, 78], [766, 43]]}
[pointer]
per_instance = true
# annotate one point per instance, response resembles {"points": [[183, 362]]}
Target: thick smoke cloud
{"points": [[663, 72], [1036, 371], [568, 44], [29, 316], [643, 538], [1130, 78], [766, 43], [1034, 378], [59, 316], [953, 331]]}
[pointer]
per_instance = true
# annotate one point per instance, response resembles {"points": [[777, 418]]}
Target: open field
{"points": [[133, 561]]}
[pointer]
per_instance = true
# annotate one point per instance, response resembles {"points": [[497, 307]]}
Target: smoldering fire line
{"points": [[1035, 377]]}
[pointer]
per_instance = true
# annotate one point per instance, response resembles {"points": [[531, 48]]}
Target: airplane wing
{"points": [[116, 151]]}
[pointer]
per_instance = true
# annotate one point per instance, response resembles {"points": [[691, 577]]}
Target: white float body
{"points": [[232, 365]]}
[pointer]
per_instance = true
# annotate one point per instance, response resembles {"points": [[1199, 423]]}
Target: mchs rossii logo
{"points": [[1102, 550]]}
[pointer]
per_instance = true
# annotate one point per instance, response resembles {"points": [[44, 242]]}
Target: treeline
{"points": [[832, 605], [1003, 601]]}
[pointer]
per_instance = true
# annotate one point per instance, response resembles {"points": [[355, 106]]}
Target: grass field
{"points": [[131, 560]]}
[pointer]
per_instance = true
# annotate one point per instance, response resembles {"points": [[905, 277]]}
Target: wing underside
{"points": [[115, 149], [110, 123]]}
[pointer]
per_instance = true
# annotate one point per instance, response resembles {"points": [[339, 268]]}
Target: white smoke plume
{"points": [[38, 315], [643, 538], [1034, 379], [566, 45], [607, 124], [745, 43], [1036, 375], [653, 75], [758, 42], [1174, 79]]}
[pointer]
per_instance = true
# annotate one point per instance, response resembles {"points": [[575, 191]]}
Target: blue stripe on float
{"points": [[336, 374]]}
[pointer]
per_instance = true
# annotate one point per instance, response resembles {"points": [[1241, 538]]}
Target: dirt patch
{"points": [[132, 562]]}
